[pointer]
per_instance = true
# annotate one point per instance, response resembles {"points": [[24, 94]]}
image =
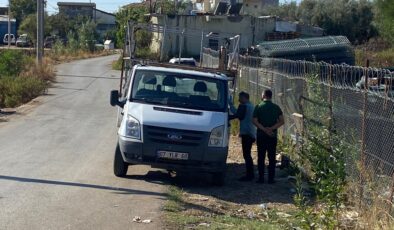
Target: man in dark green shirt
{"points": [[267, 117]]}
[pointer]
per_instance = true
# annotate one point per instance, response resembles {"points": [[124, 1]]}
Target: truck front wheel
{"points": [[120, 167]]}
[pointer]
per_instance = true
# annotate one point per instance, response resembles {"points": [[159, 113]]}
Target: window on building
{"points": [[213, 43], [255, 6]]}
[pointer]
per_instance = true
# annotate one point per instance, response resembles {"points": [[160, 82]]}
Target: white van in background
{"points": [[12, 37]]}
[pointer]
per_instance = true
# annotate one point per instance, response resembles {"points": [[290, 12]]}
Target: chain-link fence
{"points": [[354, 104]]}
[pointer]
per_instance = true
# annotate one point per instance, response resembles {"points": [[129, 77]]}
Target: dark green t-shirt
{"points": [[267, 113]]}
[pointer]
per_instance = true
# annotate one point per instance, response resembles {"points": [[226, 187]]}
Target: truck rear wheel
{"points": [[218, 178], [120, 167]]}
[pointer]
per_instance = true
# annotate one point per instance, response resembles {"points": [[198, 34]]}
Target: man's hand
{"points": [[268, 131]]}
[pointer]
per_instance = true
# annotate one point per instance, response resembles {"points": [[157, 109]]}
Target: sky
{"points": [[106, 5]]}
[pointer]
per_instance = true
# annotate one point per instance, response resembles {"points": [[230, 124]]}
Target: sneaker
{"points": [[260, 181], [246, 178]]}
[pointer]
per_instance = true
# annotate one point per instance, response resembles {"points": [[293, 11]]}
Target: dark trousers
{"points": [[266, 144], [247, 142]]}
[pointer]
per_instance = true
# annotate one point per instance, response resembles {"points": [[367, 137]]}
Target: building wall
{"points": [[3, 10], [250, 28], [105, 22], [4, 29], [74, 11], [105, 18], [256, 7]]}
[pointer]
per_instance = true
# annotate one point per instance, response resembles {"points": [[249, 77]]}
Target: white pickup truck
{"points": [[173, 119]]}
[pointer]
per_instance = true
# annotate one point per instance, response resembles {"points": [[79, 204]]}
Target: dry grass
{"points": [[237, 205], [80, 54], [34, 80], [378, 52], [44, 72], [370, 202], [380, 59]]}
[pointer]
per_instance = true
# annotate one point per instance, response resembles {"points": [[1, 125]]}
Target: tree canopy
{"points": [[352, 18], [20, 9], [385, 19]]}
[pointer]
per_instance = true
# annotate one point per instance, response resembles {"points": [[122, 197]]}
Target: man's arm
{"points": [[281, 121], [256, 122], [240, 114]]}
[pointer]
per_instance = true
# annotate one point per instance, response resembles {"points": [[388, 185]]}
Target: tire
{"points": [[218, 178], [120, 167]]}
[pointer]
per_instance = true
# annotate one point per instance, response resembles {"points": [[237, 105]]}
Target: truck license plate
{"points": [[173, 155]]}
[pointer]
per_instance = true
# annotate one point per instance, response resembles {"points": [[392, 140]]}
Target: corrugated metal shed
{"points": [[334, 49]]}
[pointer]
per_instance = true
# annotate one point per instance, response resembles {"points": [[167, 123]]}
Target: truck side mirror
{"points": [[114, 99]]}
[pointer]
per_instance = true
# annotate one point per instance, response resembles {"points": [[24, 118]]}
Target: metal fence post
{"points": [[163, 40], [363, 127], [330, 106]]}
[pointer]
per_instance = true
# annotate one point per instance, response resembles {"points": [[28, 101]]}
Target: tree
{"points": [[87, 35], [20, 9], [29, 26], [287, 11], [59, 24], [351, 18], [133, 13], [385, 19]]}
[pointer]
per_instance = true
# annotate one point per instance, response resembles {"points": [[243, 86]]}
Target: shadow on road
{"points": [[7, 112], [234, 191], [82, 185], [87, 76], [67, 88], [249, 193], [155, 177]]}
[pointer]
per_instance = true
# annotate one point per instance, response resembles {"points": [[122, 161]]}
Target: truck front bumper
{"points": [[212, 160]]}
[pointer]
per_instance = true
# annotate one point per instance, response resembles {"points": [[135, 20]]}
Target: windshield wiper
{"points": [[148, 100], [188, 105]]}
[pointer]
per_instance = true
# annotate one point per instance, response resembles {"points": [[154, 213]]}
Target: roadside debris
{"points": [[251, 215], [263, 206], [147, 221], [204, 225], [138, 219]]}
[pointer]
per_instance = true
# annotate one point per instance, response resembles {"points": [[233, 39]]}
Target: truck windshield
{"points": [[179, 90]]}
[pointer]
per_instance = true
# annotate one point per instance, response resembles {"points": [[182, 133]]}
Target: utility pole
{"points": [[40, 31], [9, 24]]}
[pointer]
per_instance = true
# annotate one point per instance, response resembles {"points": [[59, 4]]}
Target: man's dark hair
{"points": [[268, 93], [244, 95]]}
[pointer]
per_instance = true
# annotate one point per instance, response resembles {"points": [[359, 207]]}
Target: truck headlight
{"points": [[133, 128], [217, 137]]}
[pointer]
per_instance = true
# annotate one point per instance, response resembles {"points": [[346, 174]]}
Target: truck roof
{"points": [[219, 76]]}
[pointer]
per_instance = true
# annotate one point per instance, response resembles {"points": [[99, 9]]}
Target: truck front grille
{"points": [[173, 136]]}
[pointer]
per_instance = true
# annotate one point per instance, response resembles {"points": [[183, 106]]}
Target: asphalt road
{"points": [[56, 159]]}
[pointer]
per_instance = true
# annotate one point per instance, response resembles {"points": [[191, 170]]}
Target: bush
{"points": [[380, 59], [19, 90], [12, 62], [117, 65]]}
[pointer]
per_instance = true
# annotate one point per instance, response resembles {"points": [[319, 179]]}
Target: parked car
{"points": [[51, 40], [184, 61], [175, 119], [24, 41], [5, 39]]}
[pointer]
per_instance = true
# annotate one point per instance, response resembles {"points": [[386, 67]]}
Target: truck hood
{"points": [[176, 118]]}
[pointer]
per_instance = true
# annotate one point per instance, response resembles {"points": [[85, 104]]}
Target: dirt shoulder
{"points": [[194, 203]]}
